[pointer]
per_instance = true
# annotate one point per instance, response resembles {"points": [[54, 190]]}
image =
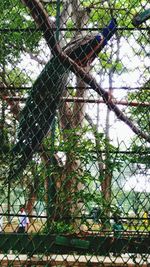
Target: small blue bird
{"points": [[40, 108]]}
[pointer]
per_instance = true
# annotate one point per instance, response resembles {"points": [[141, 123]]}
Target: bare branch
{"points": [[35, 57]]}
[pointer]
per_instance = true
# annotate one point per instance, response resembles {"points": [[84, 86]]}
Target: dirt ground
{"points": [[37, 225], [34, 226]]}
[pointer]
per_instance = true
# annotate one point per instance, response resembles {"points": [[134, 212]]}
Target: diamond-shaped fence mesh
{"points": [[74, 128]]}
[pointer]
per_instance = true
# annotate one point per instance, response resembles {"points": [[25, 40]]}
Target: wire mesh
{"points": [[74, 127]]}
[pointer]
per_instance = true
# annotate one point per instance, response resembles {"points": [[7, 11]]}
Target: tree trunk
{"points": [[71, 118], [32, 194]]}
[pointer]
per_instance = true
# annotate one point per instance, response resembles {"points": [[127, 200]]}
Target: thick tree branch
{"points": [[44, 23], [47, 27]]}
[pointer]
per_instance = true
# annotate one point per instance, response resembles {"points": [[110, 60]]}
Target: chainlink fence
{"points": [[74, 130]]}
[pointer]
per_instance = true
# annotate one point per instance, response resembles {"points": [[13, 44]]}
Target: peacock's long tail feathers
{"points": [[38, 113]]}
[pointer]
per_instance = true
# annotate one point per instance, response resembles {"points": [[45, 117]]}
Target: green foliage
{"points": [[117, 66], [78, 146], [60, 227], [141, 155], [15, 77], [141, 113], [13, 40]]}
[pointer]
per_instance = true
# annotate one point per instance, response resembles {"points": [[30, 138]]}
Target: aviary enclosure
{"points": [[74, 132]]}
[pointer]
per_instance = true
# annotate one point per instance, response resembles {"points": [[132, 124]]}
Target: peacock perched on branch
{"points": [[39, 111]]}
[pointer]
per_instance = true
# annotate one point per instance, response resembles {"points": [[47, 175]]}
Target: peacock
{"points": [[40, 108]]}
